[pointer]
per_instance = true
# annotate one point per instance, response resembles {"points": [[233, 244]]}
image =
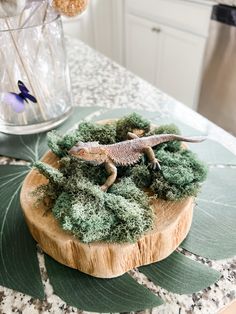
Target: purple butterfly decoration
{"points": [[17, 101]]}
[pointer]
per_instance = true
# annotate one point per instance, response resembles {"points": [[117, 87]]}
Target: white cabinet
{"points": [[142, 48], [166, 55], [179, 64]]}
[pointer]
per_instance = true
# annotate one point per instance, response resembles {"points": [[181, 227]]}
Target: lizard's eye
{"points": [[82, 152]]}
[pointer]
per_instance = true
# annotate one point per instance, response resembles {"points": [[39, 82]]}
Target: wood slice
{"points": [[100, 259]]}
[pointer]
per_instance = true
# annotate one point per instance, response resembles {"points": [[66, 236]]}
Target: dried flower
{"points": [[70, 7]]}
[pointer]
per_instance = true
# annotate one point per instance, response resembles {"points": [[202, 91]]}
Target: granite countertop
{"points": [[96, 80]]}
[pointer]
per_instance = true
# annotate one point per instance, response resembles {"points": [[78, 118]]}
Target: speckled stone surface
{"points": [[98, 81]]}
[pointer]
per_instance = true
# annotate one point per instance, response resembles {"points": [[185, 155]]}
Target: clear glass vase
{"points": [[35, 92]]}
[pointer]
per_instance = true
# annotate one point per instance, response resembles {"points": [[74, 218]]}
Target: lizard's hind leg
{"points": [[149, 153], [151, 157], [132, 136], [112, 171]]}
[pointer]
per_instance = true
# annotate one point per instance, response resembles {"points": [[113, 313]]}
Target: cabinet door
{"points": [[142, 47], [179, 64]]}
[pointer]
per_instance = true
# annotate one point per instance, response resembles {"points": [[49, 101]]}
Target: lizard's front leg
{"points": [[151, 156], [112, 171], [149, 152]]}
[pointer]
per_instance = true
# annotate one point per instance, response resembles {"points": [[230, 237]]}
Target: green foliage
{"points": [[127, 188], [141, 175], [173, 146], [52, 174], [181, 175], [130, 123], [62, 205], [92, 132], [72, 165], [53, 138], [47, 194], [165, 129], [131, 220], [123, 213], [69, 140], [86, 132]]}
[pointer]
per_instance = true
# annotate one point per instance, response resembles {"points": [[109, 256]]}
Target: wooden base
{"points": [[172, 223]]}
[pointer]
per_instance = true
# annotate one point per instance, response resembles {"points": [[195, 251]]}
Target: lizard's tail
{"points": [[162, 138]]}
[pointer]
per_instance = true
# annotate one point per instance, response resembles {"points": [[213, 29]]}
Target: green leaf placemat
{"points": [[213, 231], [179, 274], [19, 269], [212, 234], [120, 294]]}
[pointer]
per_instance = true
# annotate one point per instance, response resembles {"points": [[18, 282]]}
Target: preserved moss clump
{"points": [[129, 123], [53, 138], [141, 175], [168, 129], [86, 132], [92, 132], [91, 215], [180, 177], [122, 214]]}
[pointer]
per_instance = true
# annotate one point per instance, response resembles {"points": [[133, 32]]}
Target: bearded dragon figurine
{"points": [[124, 153]]}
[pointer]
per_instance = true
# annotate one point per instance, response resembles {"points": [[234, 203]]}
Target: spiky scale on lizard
{"points": [[125, 153]]}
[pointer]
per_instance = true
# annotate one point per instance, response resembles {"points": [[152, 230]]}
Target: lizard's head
{"points": [[81, 153], [86, 151]]}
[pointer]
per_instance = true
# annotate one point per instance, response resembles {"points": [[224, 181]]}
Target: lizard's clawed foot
{"points": [[155, 164], [104, 188]]}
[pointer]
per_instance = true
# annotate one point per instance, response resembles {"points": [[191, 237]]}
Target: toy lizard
{"points": [[124, 153]]}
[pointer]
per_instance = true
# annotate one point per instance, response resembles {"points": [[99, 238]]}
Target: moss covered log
{"points": [[123, 213]]}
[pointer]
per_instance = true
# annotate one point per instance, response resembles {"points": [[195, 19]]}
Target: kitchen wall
{"points": [[101, 27]]}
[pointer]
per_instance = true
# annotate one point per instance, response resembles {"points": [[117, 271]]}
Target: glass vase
{"points": [[35, 92]]}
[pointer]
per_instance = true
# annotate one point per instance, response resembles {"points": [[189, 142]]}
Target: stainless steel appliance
{"points": [[218, 91]]}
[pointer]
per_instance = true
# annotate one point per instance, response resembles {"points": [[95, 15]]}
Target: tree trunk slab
{"points": [[99, 259]]}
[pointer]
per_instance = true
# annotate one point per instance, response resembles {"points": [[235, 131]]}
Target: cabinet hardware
{"points": [[156, 29]]}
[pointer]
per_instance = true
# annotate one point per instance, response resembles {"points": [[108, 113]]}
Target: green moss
{"points": [[123, 213], [127, 189], [70, 164], [166, 129], [53, 175], [180, 177], [141, 175], [128, 124], [87, 223], [84, 191], [62, 206], [92, 132], [86, 132], [53, 138], [46, 194], [69, 140], [173, 146], [132, 219], [92, 215]]}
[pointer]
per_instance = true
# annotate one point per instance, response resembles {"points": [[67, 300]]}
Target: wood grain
{"points": [[171, 226]]}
